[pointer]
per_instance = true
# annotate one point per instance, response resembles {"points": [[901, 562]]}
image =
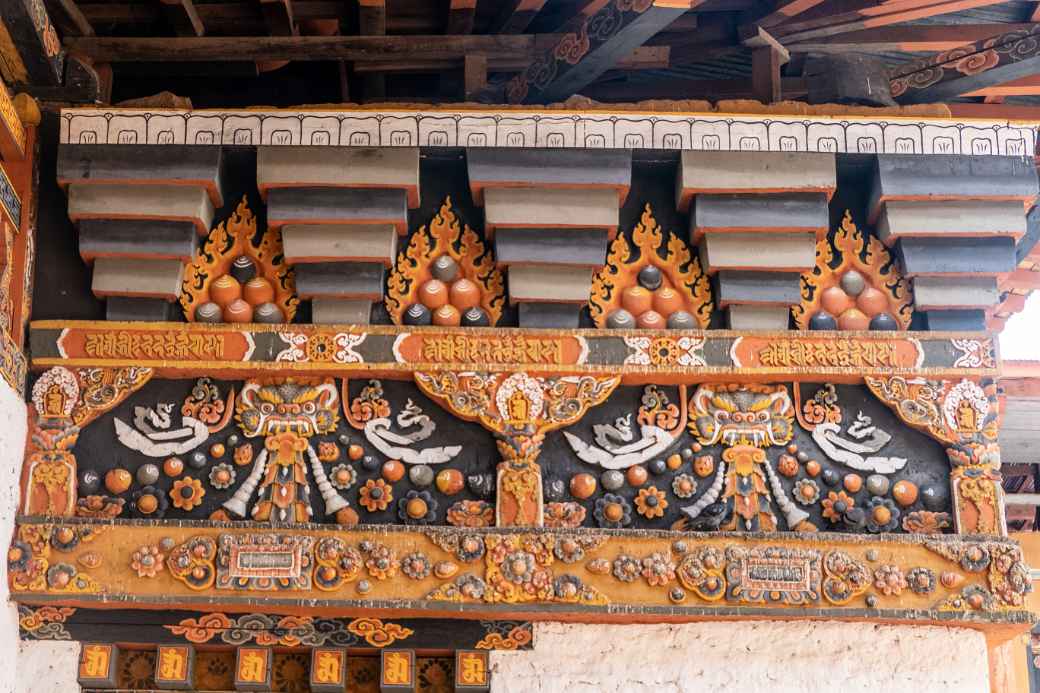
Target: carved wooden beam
{"points": [[30, 51], [594, 45], [987, 63], [905, 38]]}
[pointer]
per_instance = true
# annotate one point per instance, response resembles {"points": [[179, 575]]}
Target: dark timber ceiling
{"points": [[270, 51]]}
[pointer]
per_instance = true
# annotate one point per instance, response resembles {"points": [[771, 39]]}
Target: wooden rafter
{"points": [[591, 47], [278, 15], [70, 18], [1024, 86], [28, 51], [643, 58], [912, 38], [869, 15], [516, 15], [461, 14], [980, 65], [184, 17], [785, 10]]}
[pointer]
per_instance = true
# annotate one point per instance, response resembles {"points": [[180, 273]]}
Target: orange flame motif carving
{"points": [[680, 271], [444, 236], [865, 255], [226, 242]]}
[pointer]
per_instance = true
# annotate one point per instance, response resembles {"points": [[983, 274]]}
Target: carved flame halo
{"points": [[443, 236], [228, 240], [681, 271], [853, 250]]}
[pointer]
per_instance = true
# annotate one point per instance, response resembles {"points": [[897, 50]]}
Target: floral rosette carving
{"points": [[679, 285], [335, 563], [31, 565], [845, 578], [475, 281], [1007, 576], [194, 563], [701, 571], [273, 281], [854, 285]]}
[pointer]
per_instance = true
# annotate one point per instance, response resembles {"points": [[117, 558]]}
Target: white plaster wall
{"points": [[13, 425], [46, 666], [767, 656]]}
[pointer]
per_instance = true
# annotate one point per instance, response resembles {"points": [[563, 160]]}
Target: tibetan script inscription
{"points": [[491, 350], [840, 352], [153, 345]]}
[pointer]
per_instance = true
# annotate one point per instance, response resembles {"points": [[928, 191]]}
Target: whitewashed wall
{"points": [[778, 657], [12, 443]]}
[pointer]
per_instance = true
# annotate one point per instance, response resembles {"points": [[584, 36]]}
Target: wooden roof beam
{"points": [[70, 18], [184, 17], [515, 16], [34, 58], [581, 56], [1025, 86], [905, 38], [461, 14], [994, 61], [767, 57], [868, 15], [785, 10]]}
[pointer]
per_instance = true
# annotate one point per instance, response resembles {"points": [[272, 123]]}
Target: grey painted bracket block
{"points": [[938, 293], [770, 252], [142, 164], [718, 172], [759, 288], [141, 239], [951, 177], [549, 284], [956, 256], [304, 243], [129, 309], [341, 311], [160, 202], [497, 167], [955, 320], [549, 315], [950, 218], [339, 167], [785, 212], [573, 247], [550, 208], [357, 280], [337, 206], [748, 317], [117, 276]]}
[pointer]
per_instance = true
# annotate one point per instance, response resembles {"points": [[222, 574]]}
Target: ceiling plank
{"points": [[872, 16], [515, 16], [987, 63], [587, 51], [785, 11], [184, 17], [1026, 86], [905, 38], [461, 14]]}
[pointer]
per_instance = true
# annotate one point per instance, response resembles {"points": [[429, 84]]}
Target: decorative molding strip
{"points": [[218, 628], [639, 355], [551, 574], [548, 128], [9, 199], [13, 365]]}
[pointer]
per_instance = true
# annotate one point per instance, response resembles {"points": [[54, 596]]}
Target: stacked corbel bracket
{"points": [[551, 213], [140, 210], [953, 222], [341, 211], [755, 218]]}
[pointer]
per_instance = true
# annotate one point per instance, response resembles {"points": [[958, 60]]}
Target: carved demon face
{"points": [[742, 415], [300, 407]]}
